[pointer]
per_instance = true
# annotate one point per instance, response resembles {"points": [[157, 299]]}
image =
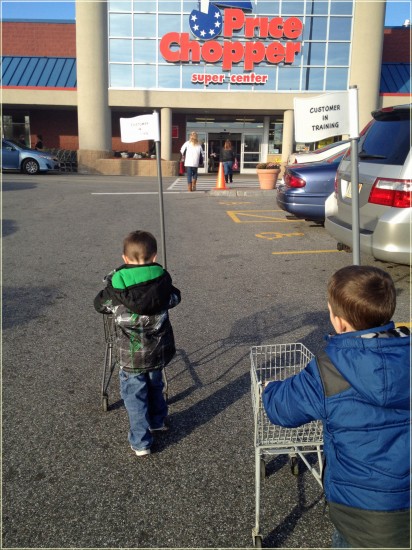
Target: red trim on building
{"points": [[50, 88]]}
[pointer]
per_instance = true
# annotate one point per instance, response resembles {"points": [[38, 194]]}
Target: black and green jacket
{"points": [[139, 296]]}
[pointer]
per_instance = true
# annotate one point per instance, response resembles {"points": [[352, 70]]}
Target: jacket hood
{"points": [[144, 289], [375, 363]]}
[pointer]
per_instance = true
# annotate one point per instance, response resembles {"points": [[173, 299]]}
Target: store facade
{"points": [[227, 69]]}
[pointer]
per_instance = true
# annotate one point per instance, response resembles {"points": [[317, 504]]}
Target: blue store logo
{"points": [[207, 22]]}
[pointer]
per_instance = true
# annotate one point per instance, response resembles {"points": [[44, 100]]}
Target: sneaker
{"points": [[163, 428], [142, 452]]}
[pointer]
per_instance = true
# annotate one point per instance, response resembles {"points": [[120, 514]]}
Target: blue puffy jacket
{"points": [[361, 392]]}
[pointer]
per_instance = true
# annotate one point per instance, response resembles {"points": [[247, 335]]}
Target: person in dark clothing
{"points": [[360, 389], [139, 293], [39, 142], [227, 156]]}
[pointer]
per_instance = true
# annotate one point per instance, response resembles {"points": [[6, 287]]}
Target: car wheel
{"points": [[30, 166]]}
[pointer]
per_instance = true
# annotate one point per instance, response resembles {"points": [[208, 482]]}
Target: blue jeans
{"points": [[338, 541], [145, 404], [228, 168], [191, 172]]}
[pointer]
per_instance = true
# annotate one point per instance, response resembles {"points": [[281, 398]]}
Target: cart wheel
{"points": [[294, 465], [105, 403], [257, 541], [262, 469]]}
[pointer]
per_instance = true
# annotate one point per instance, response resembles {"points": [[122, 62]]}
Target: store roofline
{"points": [[65, 21]]}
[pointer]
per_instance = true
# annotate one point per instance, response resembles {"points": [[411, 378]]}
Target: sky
{"points": [[396, 10]]}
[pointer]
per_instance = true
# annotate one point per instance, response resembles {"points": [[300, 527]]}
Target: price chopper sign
{"points": [[279, 44], [320, 117]]}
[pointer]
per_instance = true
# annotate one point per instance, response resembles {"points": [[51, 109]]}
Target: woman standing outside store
{"points": [[227, 156], [192, 152]]}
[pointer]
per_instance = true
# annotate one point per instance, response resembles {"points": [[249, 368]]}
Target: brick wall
{"points": [[39, 39], [396, 45]]}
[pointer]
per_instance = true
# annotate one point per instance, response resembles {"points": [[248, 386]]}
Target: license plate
{"points": [[349, 190]]}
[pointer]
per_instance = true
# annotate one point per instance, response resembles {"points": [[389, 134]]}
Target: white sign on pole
{"points": [[140, 128], [320, 117]]}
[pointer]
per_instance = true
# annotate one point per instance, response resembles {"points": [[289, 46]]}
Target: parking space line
{"points": [[408, 325], [308, 252], [258, 216]]}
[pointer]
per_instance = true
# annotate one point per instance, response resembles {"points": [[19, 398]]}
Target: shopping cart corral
{"points": [[274, 363], [111, 359]]}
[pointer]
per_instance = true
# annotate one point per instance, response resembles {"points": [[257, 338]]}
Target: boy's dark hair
{"points": [[364, 296], [140, 246]]}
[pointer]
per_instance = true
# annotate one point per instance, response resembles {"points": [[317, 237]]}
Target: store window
{"points": [[120, 25], [121, 76], [137, 27], [275, 136], [121, 50]]}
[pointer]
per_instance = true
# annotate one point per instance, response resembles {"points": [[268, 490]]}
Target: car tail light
{"points": [[337, 182], [391, 192], [293, 181]]}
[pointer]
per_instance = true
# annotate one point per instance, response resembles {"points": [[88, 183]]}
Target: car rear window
{"points": [[386, 142]]}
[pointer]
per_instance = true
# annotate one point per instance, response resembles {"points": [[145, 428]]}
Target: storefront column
{"points": [[166, 133], [288, 133], [93, 112], [367, 44]]}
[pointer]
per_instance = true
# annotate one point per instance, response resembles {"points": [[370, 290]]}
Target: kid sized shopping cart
{"points": [[275, 363], [111, 359]]}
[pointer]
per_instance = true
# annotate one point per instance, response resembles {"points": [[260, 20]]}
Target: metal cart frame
{"points": [[274, 363], [111, 360]]}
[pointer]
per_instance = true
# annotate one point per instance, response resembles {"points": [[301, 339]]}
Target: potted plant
{"points": [[268, 173]]}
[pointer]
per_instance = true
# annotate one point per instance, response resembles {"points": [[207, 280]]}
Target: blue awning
{"points": [[395, 78], [48, 72]]}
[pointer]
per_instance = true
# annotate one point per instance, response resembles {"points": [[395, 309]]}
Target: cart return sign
{"points": [[321, 117]]}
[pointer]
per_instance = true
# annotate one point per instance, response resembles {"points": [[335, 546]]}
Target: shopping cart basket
{"points": [[278, 362], [111, 360]]}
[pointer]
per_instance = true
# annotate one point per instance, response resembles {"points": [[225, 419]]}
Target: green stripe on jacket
{"points": [[135, 275]]}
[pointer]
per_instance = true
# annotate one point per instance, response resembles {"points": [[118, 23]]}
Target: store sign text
{"points": [[178, 47], [250, 78]]}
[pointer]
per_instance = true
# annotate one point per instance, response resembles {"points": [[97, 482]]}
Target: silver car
{"points": [[15, 156], [385, 171]]}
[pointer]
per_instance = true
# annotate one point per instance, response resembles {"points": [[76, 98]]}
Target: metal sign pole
{"points": [[354, 139], [159, 177]]}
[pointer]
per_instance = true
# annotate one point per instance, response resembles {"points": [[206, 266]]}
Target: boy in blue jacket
{"points": [[139, 294], [360, 389]]}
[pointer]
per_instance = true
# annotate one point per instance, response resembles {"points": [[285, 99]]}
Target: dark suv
{"points": [[385, 172]]}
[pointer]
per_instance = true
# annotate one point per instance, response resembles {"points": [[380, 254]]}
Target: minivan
{"points": [[385, 186]]}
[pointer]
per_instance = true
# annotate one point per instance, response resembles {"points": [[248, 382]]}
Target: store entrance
{"points": [[216, 142]]}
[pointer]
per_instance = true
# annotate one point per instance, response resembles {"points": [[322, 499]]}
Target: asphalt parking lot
{"points": [[249, 275]]}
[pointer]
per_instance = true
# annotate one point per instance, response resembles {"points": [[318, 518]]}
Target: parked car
{"points": [[320, 154], [306, 187], [385, 188], [15, 156]]}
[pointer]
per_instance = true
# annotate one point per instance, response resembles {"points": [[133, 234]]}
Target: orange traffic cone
{"points": [[220, 182]]}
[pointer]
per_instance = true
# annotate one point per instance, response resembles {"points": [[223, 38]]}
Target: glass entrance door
{"points": [[216, 142], [251, 149]]}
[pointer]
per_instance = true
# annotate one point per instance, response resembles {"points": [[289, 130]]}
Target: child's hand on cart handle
{"points": [[109, 276]]}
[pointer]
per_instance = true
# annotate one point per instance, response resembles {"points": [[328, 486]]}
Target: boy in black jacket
{"points": [[139, 293]]}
